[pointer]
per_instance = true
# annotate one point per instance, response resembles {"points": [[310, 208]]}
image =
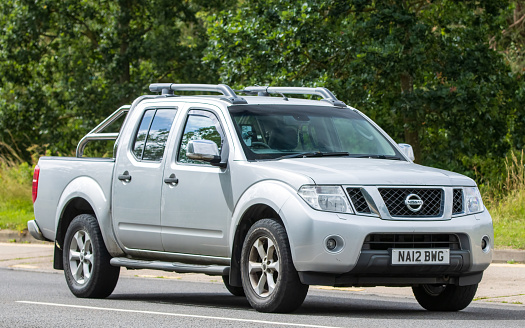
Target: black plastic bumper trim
{"points": [[374, 268]]}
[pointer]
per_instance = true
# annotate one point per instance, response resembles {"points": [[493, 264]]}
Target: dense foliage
{"points": [[67, 64], [442, 75], [423, 70]]}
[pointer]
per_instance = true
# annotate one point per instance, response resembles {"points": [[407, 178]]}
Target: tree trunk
{"points": [[123, 32], [410, 120]]}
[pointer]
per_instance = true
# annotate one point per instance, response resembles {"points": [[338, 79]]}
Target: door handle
{"points": [[125, 177], [172, 180]]}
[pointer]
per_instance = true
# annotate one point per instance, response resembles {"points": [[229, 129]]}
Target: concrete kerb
{"points": [[13, 236], [500, 255], [508, 256]]}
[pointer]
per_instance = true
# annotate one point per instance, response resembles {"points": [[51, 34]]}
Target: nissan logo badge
{"points": [[414, 202]]}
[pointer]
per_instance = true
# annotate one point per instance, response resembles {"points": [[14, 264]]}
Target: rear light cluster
{"points": [[36, 174]]}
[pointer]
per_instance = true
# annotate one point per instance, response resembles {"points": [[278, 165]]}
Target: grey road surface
{"points": [[41, 299], [32, 294]]}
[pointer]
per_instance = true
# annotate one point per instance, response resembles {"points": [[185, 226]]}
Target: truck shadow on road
{"points": [[207, 300], [352, 306], [403, 309]]}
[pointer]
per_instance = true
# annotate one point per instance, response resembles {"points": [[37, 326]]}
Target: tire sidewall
{"points": [[452, 298], [80, 223], [263, 228]]}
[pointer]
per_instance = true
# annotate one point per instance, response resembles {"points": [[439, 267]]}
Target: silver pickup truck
{"points": [[270, 192]]}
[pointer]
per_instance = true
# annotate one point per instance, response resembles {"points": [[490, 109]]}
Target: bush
{"points": [[506, 204]]}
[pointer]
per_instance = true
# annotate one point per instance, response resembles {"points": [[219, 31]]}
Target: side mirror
{"points": [[204, 150], [407, 150]]}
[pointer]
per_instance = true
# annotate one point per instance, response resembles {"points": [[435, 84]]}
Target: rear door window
{"points": [[152, 134]]}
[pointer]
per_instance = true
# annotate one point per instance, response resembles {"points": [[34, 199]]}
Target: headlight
{"points": [[474, 203], [326, 198]]}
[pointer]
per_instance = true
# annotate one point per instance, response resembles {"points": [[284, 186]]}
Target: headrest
{"points": [[284, 138]]}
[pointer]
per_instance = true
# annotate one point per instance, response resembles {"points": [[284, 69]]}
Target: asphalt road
{"points": [[42, 299]]}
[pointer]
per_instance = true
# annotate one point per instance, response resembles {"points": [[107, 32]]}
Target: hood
{"points": [[365, 171]]}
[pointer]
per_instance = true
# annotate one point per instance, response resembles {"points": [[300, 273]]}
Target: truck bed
{"points": [[79, 176]]}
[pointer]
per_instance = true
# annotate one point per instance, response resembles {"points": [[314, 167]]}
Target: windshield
{"points": [[273, 132]]}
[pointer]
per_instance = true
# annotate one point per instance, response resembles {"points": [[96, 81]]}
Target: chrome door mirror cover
{"points": [[203, 150], [407, 150]]}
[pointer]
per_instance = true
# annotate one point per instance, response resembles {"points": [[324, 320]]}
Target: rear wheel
{"points": [[269, 278], [86, 260], [444, 297], [236, 291]]}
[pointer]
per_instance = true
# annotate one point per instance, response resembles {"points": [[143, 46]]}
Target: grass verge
{"points": [[508, 208], [509, 221], [16, 206]]}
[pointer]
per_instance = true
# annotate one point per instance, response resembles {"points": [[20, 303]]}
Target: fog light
{"points": [[485, 244], [331, 244], [334, 244]]}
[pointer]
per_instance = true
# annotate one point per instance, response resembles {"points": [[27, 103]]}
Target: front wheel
{"points": [[86, 260], [444, 297], [269, 278]]}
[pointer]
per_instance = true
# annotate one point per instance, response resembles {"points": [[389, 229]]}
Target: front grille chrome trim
{"points": [[395, 198], [379, 208]]}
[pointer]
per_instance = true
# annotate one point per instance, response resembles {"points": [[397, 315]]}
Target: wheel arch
{"points": [[73, 208], [84, 196], [253, 214], [261, 201]]}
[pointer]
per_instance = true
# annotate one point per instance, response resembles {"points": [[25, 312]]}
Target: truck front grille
{"points": [[457, 201], [358, 199], [394, 199], [387, 241]]}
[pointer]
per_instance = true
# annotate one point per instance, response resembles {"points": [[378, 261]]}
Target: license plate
{"points": [[420, 256]]}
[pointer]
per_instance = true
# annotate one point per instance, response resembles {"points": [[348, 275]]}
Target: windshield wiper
{"points": [[314, 154], [380, 157]]}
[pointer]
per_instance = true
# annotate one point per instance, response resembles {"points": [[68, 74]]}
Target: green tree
{"points": [[511, 43], [423, 70], [66, 64]]}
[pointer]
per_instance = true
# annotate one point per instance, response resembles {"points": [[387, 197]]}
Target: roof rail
{"points": [[169, 88], [320, 91]]}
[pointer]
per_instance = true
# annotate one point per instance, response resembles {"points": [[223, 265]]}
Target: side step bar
{"points": [[211, 270]]}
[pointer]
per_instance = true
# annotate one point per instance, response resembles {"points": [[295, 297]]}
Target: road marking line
{"points": [[177, 315]]}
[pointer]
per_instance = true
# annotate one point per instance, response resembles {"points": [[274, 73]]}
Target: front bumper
{"points": [[308, 230], [374, 268], [349, 280]]}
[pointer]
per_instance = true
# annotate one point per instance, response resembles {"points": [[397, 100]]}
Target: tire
{"points": [[269, 278], [236, 291], [86, 260], [444, 297]]}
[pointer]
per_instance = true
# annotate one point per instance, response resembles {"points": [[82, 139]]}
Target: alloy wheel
{"points": [[81, 257], [263, 266]]}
